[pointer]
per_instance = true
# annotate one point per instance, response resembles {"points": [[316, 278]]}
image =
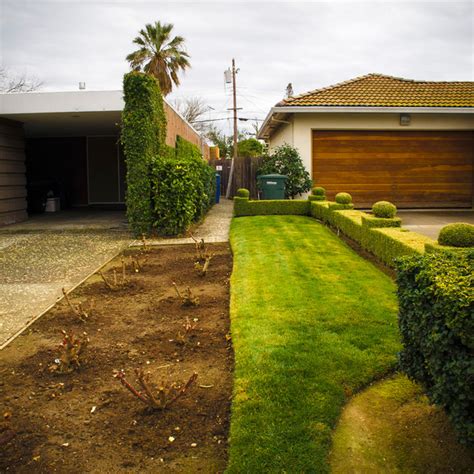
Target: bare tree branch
{"points": [[192, 109], [10, 82]]}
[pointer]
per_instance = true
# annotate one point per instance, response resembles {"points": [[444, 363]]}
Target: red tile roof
{"points": [[378, 90]]}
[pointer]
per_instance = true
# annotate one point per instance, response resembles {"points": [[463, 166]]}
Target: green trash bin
{"points": [[272, 186]]}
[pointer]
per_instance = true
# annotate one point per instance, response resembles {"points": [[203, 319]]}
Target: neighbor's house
{"points": [[67, 142], [383, 138]]}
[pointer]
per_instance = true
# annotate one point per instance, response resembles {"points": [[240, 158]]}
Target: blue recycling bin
{"points": [[218, 188]]}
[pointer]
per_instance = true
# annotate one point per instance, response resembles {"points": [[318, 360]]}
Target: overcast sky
{"points": [[311, 44]]}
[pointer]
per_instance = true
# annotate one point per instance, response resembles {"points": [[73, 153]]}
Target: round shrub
{"points": [[384, 209], [343, 198], [318, 191], [243, 193], [457, 235]]}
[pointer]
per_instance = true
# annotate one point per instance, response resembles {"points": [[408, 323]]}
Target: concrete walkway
{"points": [[215, 227], [429, 223], [41, 256], [47, 253]]}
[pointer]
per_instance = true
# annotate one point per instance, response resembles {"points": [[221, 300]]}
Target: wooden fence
{"points": [[245, 174]]}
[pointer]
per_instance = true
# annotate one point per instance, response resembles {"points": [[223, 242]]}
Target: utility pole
{"points": [[235, 148]]}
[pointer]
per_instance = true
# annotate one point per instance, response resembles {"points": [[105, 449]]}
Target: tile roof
{"points": [[378, 90]]}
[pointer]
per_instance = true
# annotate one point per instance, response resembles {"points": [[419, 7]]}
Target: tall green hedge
{"points": [[183, 188], [143, 136], [436, 301]]}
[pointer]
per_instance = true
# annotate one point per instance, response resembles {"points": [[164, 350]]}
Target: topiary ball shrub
{"points": [[243, 193], [318, 191], [457, 235], [384, 209], [343, 198]]}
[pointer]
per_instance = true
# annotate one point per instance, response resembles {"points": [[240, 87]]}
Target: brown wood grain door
{"points": [[410, 169]]}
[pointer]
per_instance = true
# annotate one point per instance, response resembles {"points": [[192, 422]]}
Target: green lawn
{"points": [[312, 322]]}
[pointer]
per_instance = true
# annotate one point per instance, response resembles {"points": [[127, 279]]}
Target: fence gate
{"points": [[245, 174]]}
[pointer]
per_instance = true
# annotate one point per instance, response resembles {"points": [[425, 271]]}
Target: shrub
{"points": [[312, 197], [143, 135], [384, 209], [244, 207], [434, 247], [391, 243], [287, 161], [343, 198], [457, 235], [335, 206], [319, 191], [243, 193], [349, 222], [437, 329], [182, 192], [319, 210], [377, 222]]}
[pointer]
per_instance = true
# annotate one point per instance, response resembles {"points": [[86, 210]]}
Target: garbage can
{"points": [[218, 188], [272, 186]]}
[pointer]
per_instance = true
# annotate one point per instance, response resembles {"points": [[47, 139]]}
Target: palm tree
{"points": [[159, 55]]}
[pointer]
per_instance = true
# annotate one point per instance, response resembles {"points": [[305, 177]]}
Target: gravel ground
{"points": [[35, 266]]}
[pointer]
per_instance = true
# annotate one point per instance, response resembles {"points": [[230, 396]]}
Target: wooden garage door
{"points": [[411, 169]]}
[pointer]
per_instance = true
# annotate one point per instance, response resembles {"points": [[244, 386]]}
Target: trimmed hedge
{"points": [[436, 301], [313, 197], [349, 223], [458, 234], [183, 192], [388, 244], [377, 222], [245, 207], [318, 191], [336, 206], [434, 247], [243, 193], [343, 198], [384, 209], [319, 210], [143, 136]]}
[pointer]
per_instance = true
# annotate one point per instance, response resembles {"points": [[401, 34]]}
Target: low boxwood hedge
{"points": [[458, 234], [316, 197], [245, 207], [348, 222], [436, 299], [388, 244], [434, 247], [378, 222], [319, 210]]}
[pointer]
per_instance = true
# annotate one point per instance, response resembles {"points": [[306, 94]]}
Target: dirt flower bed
{"points": [[70, 411]]}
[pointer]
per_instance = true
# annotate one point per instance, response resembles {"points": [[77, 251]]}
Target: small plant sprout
{"points": [[203, 268], [186, 297], [77, 309], [116, 282], [144, 244], [136, 263], [201, 249], [185, 336], [71, 351], [157, 398]]}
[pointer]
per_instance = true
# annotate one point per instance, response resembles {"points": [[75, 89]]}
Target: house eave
{"points": [[263, 134]]}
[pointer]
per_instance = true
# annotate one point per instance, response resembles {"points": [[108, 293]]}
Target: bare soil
{"points": [[86, 421]]}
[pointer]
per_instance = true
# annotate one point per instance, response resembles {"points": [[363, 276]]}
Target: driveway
{"points": [[45, 254], [429, 223]]}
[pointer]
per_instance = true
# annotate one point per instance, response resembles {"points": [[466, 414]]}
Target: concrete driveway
{"points": [[429, 223], [41, 256]]}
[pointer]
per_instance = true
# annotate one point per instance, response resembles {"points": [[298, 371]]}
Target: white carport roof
{"points": [[65, 113]]}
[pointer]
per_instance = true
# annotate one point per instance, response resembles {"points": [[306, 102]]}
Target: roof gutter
{"points": [[360, 109]]}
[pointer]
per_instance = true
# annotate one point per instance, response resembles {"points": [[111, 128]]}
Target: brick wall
{"points": [[176, 125]]}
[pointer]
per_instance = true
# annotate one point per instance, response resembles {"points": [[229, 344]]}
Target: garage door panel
{"points": [[412, 169], [396, 147]]}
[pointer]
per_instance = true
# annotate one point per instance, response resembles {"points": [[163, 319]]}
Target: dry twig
{"points": [[203, 268], [186, 297], [157, 398], [78, 310]]}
